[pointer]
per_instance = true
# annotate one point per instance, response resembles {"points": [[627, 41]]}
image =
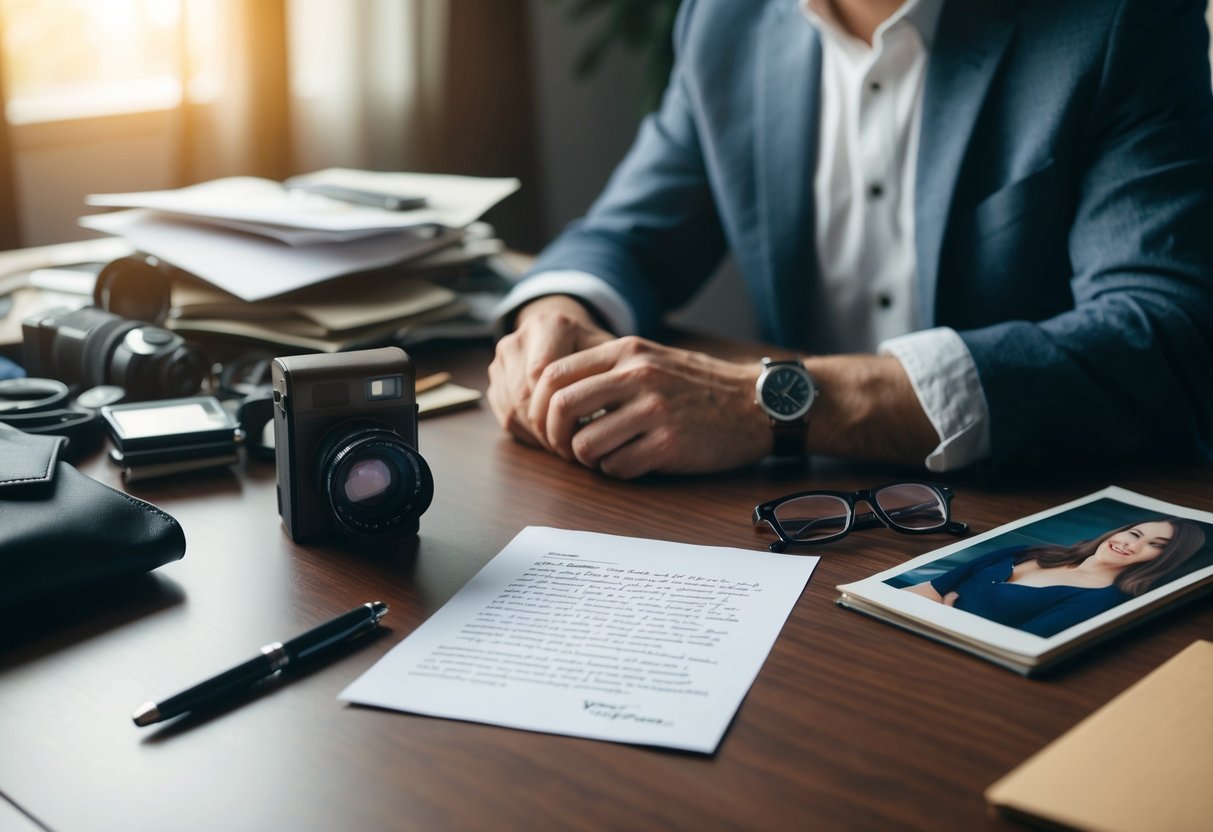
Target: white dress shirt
{"points": [[863, 189]]}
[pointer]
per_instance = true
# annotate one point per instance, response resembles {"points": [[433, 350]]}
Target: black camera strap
{"points": [[43, 406], [255, 412], [23, 395], [246, 380]]}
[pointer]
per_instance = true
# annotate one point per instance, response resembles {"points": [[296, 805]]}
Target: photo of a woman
{"points": [[1046, 588]]}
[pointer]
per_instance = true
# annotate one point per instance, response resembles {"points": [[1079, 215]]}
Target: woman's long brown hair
{"points": [[1187, 539]]}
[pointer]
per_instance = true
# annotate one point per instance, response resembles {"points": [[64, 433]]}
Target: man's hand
{"points": [[630, 407], [545, 330]]}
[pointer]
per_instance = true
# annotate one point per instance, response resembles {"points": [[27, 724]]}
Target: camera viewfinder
{"points": [[385, 387]]}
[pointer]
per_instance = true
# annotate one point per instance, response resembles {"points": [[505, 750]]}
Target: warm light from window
{"points": [[77, 58]]}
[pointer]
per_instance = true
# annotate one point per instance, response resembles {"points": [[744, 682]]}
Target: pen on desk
{"points": [[272, 659], [431, 381], [358, 196]]}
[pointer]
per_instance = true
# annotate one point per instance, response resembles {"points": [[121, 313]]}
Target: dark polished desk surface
{"points": [[851, 723]]}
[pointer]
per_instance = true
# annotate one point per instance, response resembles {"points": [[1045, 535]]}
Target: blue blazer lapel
{"points": [[969, 44], [786, 96]]}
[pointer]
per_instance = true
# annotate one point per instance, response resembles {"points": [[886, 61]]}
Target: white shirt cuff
{"points": [[945, 379], [594, 291]]}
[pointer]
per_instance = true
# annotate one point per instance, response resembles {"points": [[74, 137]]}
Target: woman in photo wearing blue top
{"points": [[1045, 589]]}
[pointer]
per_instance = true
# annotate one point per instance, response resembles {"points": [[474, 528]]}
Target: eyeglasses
{"points": [[813, 517]]}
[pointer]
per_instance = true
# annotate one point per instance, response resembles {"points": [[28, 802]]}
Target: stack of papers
{"points": [[258, 258]]}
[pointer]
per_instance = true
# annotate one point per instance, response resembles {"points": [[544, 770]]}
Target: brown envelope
{"points": [[1144, 761]]}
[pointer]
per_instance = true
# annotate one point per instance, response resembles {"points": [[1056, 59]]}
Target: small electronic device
{"points": [[172, 435]]}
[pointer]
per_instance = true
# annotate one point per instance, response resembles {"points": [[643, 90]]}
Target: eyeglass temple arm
{"points": [[868, 519], [809, 522], [838, 520]]}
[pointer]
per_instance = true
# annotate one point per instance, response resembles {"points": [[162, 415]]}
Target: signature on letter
{"points": [[622, 713]]}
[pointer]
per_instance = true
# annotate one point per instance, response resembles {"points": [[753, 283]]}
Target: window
{"points": [[80, 58]]}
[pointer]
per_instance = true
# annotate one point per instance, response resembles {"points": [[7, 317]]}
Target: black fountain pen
{"points": [[274, 658]]}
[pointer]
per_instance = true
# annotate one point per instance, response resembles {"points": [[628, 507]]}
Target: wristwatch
{"points": [[785, 392]]}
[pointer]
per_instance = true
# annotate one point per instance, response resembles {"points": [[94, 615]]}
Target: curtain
{"points": [[423, 85], [245, 129], [10, 226], [484, 122]]}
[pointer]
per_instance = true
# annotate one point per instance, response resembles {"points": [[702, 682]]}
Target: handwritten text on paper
{"points": [[568, 622]]}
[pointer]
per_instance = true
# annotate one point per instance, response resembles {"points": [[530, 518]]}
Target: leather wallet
{"points": [[62, 531]]}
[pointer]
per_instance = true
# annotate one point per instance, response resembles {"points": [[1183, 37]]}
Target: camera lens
{"points": [[182, 373], [153, 362], [80, 345], [89, 347], [375, 483]]}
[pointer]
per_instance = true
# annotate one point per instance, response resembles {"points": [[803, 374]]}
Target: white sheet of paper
{"points": [[250, 267], [451, 201], [597, 636]]}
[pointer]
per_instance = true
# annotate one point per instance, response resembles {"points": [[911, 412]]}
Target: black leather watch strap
{"points": [[789, 437]]}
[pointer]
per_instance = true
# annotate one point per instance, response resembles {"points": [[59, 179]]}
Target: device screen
{"points": [[156, 421], [169, 422]]}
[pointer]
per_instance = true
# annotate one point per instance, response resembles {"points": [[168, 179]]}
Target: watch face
{"points": [[787, 393]]}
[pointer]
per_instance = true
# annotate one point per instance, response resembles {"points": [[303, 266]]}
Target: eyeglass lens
{"points": [[818, 516], [912, 506], [813, 517]]}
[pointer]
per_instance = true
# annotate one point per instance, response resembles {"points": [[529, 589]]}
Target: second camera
{"points": [[345, 437]]}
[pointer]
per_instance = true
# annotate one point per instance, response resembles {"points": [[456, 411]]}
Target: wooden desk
{"points": [[851, 724]]}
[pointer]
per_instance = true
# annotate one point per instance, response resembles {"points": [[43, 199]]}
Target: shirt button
{"points": [[875, 190], [884, 300], [874, 86]]}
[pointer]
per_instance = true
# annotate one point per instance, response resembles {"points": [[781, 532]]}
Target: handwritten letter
{"points": [[597, 636]]}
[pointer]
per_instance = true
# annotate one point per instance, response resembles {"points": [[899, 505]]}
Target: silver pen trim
{"points": [[277, 655]]}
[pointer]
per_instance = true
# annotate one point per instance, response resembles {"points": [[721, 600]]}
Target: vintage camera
{"points": [[345, 439], [89, 347]]}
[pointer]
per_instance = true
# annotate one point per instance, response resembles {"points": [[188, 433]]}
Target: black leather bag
{"points": [[62, 531]]}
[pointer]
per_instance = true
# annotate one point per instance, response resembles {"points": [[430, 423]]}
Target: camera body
{"points": [[345, 439], [89, 347]]}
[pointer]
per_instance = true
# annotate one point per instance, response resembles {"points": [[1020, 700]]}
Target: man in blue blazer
{"points": [[1051, 206]]}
